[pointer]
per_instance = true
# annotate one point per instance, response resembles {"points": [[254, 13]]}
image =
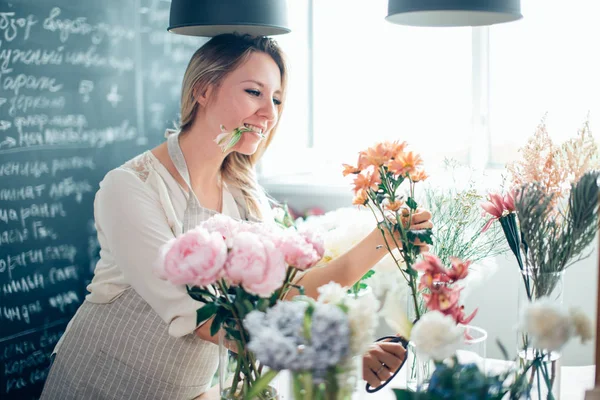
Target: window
{"points": [[372, 81], [548, 62], [472, 94]]}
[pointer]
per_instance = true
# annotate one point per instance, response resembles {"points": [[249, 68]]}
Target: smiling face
{"points": [[249, 96]]}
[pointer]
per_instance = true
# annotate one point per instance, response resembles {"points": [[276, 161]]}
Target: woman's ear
{"points": [[202, 95]]}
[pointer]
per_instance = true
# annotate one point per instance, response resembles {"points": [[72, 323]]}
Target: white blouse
{"points": [[138, 208]]}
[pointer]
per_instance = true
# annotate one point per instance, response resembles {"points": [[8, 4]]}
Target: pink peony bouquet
{"points": [[236, 267]]}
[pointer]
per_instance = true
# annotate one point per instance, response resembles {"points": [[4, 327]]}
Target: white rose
{"points": [[437, 336], [363, 318], [332, 293]]}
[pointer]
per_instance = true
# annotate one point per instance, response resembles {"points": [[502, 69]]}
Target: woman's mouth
{"points": [[255, 129]]}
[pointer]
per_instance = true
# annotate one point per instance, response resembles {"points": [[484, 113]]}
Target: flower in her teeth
{"points": [[226, 140], [256, 130]]}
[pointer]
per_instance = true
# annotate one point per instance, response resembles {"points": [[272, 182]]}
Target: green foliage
{"points": [[552, 239], [458, 221], [205, 312]]}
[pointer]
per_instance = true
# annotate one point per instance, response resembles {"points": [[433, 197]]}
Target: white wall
{"points": [[496, 298]]}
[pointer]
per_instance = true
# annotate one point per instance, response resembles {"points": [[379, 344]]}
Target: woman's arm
{"points": [[354, 264]]}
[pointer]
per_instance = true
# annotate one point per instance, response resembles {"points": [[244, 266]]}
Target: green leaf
{"points": [[502, 349], [216, 324], [205, 312], [412, 272], [248, 306], [235, 334], [369, 274], [424, 235], [403, 394], [308, 321], [410, 202], [261, 384]]}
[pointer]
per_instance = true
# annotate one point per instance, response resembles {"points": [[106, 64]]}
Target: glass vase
{"points": [[474, 348], [544, 375], [417, 370], [238, 367], [341, 382]]}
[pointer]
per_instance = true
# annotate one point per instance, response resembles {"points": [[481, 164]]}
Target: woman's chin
{"points": [[247, 145]]}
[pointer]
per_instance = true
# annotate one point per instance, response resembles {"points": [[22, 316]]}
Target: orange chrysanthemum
{"points": [[378, 155], [349, 169], [394, 205], [363, 163], [418, 176], [366, 180], [361, 198]]}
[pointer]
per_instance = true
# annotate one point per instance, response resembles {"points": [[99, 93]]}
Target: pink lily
{"points": [[509, 201], [431, 264], [459, 269], [495, 207]]}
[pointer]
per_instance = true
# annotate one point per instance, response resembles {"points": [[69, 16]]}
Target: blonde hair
{"points": [[209, 65]]}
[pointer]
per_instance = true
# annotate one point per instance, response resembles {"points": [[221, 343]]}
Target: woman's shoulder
{"points": [[132, 173], [140, 166]]}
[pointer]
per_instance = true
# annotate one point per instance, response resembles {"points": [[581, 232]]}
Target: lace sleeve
{"points": [[140, 166]]}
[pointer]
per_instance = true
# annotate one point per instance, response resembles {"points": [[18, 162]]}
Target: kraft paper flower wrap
{"points": [[234, 268]]}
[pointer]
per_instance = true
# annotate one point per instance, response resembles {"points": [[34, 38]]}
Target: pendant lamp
{"points": [[453, 12], [213, 17]]}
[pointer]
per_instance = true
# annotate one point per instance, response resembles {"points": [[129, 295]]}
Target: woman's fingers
{"points": [[421, 216], [374, 370], [422, 225]]}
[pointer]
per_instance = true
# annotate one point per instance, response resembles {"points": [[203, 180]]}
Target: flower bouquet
{"points": [[382, 172], [549, 325], [320, 342], [234, 268], [549, 219]]}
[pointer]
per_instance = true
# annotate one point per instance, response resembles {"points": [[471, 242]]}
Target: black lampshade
{"points": [[214, 17], [453, 12]]}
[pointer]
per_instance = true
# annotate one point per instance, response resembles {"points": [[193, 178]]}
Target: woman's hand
{"points": [[421, 219], [381, 361]]}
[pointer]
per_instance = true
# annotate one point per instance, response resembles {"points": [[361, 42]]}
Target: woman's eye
{"points": [[253, 92], [277, 102]]}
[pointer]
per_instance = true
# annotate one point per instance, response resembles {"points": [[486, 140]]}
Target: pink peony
{"points": [[270, 231], [195, 258], [224, 225], [301, 250], [255, 263]]}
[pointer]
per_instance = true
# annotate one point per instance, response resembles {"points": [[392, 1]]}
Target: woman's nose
{"points": [[269, 111]]}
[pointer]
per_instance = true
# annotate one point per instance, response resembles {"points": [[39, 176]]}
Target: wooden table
{"points": [[573, 384]]}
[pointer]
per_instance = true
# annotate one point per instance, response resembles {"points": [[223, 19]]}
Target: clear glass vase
{"points": [[474, 348], [238, 367], [342, 382], [544, 376], [417, 369]]}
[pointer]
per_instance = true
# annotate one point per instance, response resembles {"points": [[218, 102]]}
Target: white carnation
{"points": [[332, 293], [437, 336], [581, 324], [363, 317], [548, 324]]}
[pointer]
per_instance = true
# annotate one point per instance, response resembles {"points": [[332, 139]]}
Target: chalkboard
{"points": [[84, 86]]}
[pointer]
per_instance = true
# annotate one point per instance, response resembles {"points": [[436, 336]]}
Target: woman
{"points": [[135, 336]]}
